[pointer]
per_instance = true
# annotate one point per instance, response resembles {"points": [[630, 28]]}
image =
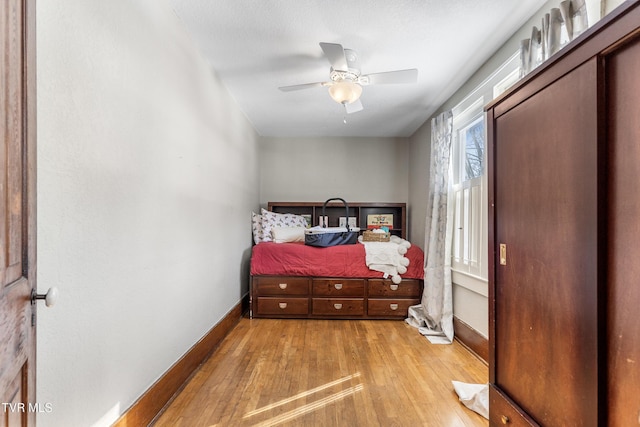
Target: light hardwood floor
{"points": [[270, 372]]}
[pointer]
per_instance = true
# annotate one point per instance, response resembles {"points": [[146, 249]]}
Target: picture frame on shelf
{"points": [[352, 222], [379, 221]]}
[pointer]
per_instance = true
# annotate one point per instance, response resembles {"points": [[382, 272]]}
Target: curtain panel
{"points": [[434, 316]]}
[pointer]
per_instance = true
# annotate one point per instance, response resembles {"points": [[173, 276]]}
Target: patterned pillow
{"points": [[256, 225], [273, 219]]}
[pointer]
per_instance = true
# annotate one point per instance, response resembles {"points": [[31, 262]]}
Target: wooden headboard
{"points": [[361, 211]]}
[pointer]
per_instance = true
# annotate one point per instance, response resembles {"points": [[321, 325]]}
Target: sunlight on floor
{"points": [[287, 416], [301, 395], [310, 407]]}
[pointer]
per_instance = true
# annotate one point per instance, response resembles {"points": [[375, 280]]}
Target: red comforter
{"points": [[298, 259]]}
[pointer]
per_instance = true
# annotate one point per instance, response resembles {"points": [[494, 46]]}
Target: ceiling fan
{"points": [[346, 81]]}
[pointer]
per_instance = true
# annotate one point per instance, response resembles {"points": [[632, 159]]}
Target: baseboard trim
{"points": [[471, 339], [162, 392]]}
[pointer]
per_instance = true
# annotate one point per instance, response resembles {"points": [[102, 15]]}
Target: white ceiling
{"points": [[256, 46]]}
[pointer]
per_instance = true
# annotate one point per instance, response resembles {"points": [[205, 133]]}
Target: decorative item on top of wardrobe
{"points": [[558, 27]]}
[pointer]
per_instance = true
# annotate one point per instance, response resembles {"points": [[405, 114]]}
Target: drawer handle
{"points": [[282, 286], [393, 306], [338, 286], [505, 419], [337, 306], [394, 287], [282, 305]]}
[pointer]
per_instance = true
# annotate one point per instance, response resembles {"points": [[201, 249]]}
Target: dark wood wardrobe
{"points": [[564, 235]]}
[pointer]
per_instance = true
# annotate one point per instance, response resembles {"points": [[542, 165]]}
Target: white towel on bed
{"points": [[386, 258]]}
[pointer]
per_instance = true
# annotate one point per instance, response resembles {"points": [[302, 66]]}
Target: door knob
{"points": [[49, 298]]}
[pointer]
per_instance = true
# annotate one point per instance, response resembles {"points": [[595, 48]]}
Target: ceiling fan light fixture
{"points": [[345, 92]]}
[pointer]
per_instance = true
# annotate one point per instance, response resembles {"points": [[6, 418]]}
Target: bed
{"points": [[292, 280]]}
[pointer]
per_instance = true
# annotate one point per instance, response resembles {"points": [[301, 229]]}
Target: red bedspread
{"points": [[298, 259]]}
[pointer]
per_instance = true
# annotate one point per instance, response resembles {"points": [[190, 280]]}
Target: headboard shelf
{"points": [[361, 211]]}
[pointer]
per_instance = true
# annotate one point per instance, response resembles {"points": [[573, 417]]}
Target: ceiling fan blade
{"points": [[335, 54], [390, 77], [302, 86], [354, 107]]}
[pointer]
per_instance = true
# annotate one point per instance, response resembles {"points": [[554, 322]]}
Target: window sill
{"points": [[473, 283]]}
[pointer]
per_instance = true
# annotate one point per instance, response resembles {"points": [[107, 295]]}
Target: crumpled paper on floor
{"points": [[473, 396]]}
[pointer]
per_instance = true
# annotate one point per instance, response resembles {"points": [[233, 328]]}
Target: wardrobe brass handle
{"points": [[282, 286], [393, 306], [338, 286], [337, 306], [282, 305]]}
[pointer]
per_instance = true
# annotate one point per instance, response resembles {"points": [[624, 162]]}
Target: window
{"points": [[472, 138], [468, 179], [468, 172]]}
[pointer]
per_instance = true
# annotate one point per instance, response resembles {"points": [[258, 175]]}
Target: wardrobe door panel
{"points": [[623, 270], [545, 309]]}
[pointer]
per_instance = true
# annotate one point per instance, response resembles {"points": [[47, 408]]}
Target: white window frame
{"points": [[468, 205], [504, 84], [469, 198]]}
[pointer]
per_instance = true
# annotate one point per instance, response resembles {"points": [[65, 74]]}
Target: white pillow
{"points": [[256, 227], [287, 234], [273, 219]]}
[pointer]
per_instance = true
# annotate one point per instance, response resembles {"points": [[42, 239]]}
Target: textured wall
{"points": [[420, 157], [147, 173]]}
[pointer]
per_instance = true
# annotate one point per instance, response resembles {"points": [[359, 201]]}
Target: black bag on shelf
{"points": [[322, 236]]}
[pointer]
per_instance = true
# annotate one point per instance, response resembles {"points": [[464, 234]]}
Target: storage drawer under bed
{"points": [[388, 307], [338, 287], [281, 285], [282, 306], [338, 307], [337, 298], [383, 288]]}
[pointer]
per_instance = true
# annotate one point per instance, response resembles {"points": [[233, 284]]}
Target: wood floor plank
{"points": [[283, 372]]}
